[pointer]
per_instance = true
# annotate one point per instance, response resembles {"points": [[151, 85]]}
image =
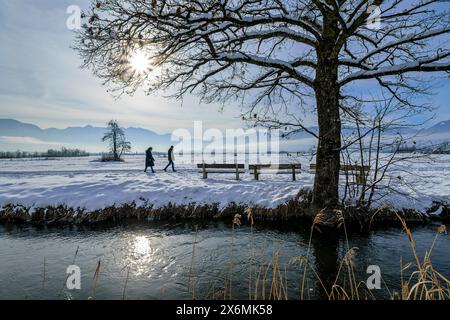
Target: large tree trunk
{"points": [[326, 182]]}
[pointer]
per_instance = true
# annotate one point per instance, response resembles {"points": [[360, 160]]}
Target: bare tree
{"points": [[280, 58], [117, 141]]}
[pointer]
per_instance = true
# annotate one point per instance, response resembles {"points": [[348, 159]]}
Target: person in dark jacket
{"points": [[171, 159], [149, 160]]}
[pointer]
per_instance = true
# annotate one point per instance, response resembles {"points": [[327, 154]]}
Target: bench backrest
{"points": [[349, 167], [275, 166], [346, 168], [220, 166]]}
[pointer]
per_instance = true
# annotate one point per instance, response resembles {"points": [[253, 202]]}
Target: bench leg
{"points": [[237, 172], [255, 173], [205, 174], [293, 174]]}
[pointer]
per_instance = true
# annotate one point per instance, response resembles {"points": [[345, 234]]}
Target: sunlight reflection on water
{"points": [[143, 256], [142, 245]]}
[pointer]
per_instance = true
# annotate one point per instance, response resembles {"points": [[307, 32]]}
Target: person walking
{"points": [[171, 159], [149, 160]]}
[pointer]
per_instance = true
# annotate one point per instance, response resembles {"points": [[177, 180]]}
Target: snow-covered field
{"points": [[83, 182]]}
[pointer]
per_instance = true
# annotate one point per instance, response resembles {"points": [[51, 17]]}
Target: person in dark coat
{"points": [[171, 159], [149, 160]]}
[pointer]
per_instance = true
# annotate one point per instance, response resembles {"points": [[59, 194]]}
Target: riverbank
{"points": [[293, 212]]}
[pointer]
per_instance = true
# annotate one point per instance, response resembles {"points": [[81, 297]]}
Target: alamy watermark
{"points": [[74, 20], [374, 280], [374, 20], [224, 146], [73, 280]]}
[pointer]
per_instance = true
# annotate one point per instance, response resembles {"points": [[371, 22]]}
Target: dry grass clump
{"points": [[269, 280], [424, 283]]}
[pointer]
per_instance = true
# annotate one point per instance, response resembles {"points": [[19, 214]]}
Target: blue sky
{"points": [[41, 81]]}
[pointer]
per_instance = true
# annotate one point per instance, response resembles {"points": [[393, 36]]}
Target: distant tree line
{"points": [[51, 153]]}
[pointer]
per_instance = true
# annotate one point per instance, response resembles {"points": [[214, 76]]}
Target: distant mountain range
{"points": [[16, 135]]}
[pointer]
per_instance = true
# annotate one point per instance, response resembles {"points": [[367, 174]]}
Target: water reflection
{"points": [[325, 246], [144, 256], [142, 245], [161, 263]]}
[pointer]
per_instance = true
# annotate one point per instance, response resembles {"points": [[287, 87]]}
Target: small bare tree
{"points": [[377, 141], [117, 141]]}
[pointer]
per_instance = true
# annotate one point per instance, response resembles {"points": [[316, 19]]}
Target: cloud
{"points": [[27, 140]]}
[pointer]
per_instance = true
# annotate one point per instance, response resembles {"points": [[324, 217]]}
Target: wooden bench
{"points": [[256, 169], [225, 168], [360, 172]]}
